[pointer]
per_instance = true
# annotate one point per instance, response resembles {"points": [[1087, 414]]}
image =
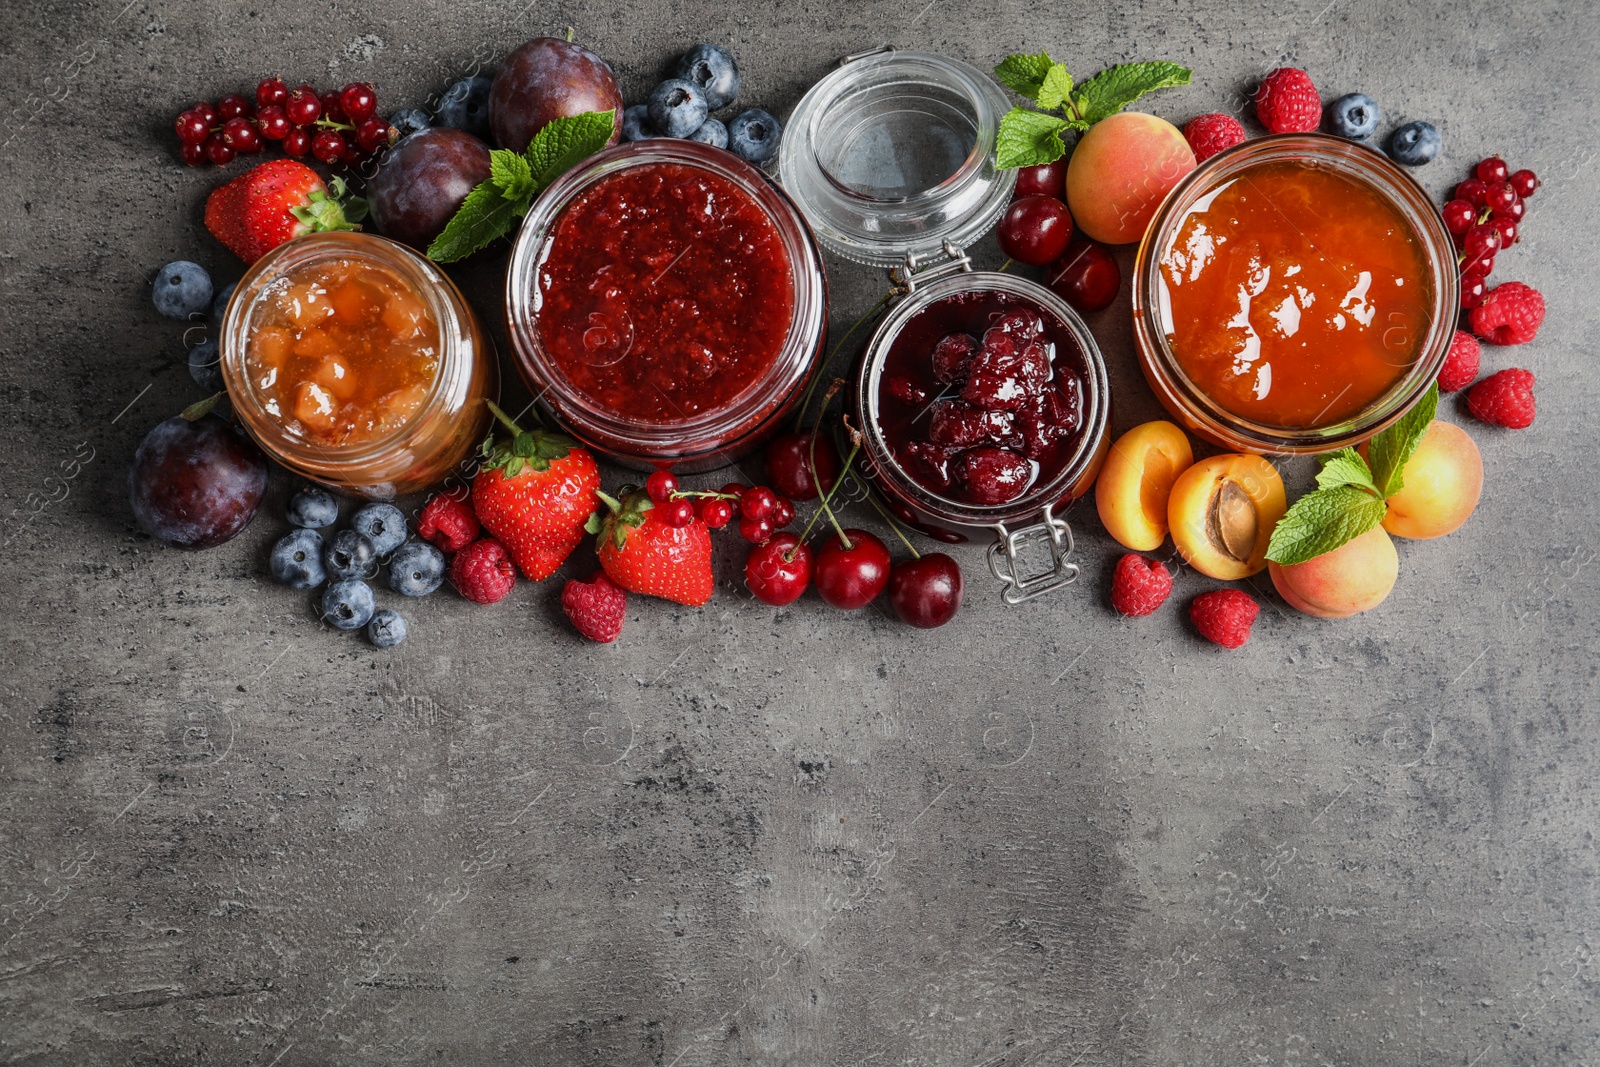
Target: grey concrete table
{"points": [[1040, 836]]}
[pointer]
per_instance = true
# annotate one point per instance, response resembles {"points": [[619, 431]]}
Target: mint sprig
{"points": [[1029, 137], [1352, 493], [492, 209]]}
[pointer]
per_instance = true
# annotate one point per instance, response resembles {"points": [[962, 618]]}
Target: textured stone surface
{"points": [[1040, 836]]}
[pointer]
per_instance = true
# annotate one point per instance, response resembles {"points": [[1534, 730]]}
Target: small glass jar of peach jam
{"points": [[356, 363]]}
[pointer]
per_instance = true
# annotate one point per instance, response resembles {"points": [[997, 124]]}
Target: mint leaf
{"points": [[1389, 450], [1116, 87], [1345, 467], [1029, 138], [510, 172], [1056, 89], [1323, 520], [1024, 74], [564, 142], [482, 217]]}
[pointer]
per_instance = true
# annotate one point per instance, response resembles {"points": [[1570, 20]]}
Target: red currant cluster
{"points": [[760, 511], [1485, 217], [339, 126]]}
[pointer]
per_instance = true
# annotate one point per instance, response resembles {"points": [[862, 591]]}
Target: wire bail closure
{"points": [[1003, 558]]}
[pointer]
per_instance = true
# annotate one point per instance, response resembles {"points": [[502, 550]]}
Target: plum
{"points": [[195, 484], [422, 182], [548, 78]]}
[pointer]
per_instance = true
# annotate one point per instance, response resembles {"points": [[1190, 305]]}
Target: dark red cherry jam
{"points": [[665, 292], [981, 397]]}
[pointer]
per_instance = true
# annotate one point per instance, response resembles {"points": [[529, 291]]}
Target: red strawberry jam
{"points": [[981, 397], [665, 293]]}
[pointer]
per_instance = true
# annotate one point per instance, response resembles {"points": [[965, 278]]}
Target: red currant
{"points": [[735, 490], [1473, 290], [359, 100], [1493, 170], [332, 108], [1472, 191], [328, 146], [271, 91], [372, 134], [218, 150], [754, 530], [303, 107], [235, 106], [1458, 216], [660, 486], [208, 111], [1479, 266], [1047, 179], [352, 156], [1525, 182], [242, 134], [1513, 211], [192, 154], [1035, 230], [273, 123], [1507, 228], [782, 513], [678, 512], [192, 128], [715, 513], [1086, 276], [297, 143], [1500, 197], [1481, 238], [758, 503]]}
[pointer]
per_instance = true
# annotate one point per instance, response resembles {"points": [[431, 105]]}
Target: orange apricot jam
{"points": [[1294, 296], [342, 352]]}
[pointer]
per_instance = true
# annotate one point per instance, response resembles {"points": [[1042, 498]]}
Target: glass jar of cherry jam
{"points": [[666, 302], [357, 364], [1294, 294], [983, 402]]}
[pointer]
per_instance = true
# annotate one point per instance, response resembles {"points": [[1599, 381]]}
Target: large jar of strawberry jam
{"points": [[356, 363], [1294, 294], [666, 302]]}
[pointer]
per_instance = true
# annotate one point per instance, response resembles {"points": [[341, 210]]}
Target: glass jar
{"points": [[441, 360], [892, 154], [1417, 347], [669, 339]]}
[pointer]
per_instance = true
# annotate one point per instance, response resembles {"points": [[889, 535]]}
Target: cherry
{"points": [[660, 486], [218, 150], [778, 570], [1472, 191], [1086, 276], [208, 111], [678, 513], [782, 513], [297, 142], [1493, 170], [234, 106], [192, 128], [192, 154], [242, 134], [359, 100], [1047, 179], [926, 592], [1473, 290], [715, 513], [1035, 229], [758, 502], [273, 123], [1458, 216], [1525, 182], [789, 465], [852, 572], [303, 106], [1500, 197], [328, 146], [755, 530]]}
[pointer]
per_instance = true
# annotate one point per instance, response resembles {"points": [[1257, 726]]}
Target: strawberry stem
{"points": [[503, 417]]}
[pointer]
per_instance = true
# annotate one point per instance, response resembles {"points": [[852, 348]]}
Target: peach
{"points": [[1443, 479], [1353, 578], [1121, 171], [1222, 511], [1136, 482]]}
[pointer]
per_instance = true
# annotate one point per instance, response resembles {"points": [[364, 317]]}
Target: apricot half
{"points": [[1353, 578], [1120, 172], [1222, 511], [1136, 483], [1443, 480]]}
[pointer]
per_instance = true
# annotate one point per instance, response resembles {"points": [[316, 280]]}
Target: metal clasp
{"points": [[875, 50], [1003, 556], [923, 267]]}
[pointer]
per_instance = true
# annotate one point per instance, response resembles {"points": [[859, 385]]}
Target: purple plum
{"points": [[546, 79], [195, 484]]}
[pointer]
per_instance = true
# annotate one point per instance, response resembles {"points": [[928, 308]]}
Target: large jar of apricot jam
{"points": [[666, 302], [1294, 294], [356, 363]]}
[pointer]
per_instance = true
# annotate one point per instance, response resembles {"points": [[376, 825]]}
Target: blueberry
{"points": [[296, 560], [347, 604], [636, 124], [416, 569], [1355, 116], [754, 135], [313, 507], [1415, 143], [382, 524], [387, 629], [219, 306], [711, 67], [204, 366], [350, 555], [181, 289], [410, 120], [711, 132], [677, 107], [465, 105]]}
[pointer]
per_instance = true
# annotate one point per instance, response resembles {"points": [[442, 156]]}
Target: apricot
{"points": [[1353, 578], [1222, 511], [1443, 480], [1121, 171], [1136, 482]]}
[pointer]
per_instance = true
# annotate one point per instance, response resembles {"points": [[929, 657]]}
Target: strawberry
{"points": [[644, 553], [535, 492], [277, 201]]}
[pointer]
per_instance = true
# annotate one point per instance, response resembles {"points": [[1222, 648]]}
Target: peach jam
{"points": [[1294, 295]]}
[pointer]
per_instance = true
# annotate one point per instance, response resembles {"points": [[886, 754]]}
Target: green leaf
{"points": [[564, 142], [1389, 450], [1056, 88], [483, 217], [1345, 467], [511, 174], [1116, 87], [1323, 520], [1024, 74], [1029, 138]]}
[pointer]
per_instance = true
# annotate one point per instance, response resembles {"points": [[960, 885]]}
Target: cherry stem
{"points": [[805, 401], [1005, 266], [894, 525], [827, 498], [844, 538], [811, 446]]}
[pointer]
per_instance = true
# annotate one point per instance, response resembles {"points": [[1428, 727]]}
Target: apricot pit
{"points": [[1222, 511]]}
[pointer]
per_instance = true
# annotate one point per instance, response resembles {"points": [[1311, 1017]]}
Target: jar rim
{"points": [[1362, 163]]}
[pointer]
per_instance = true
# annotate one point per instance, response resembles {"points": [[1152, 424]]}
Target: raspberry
{"points": [[1461, 365], [482, 572], [1287, 102], [1504, 399], [1139, 586], [1209, 134], [596, 607], [1224, 617], [1509, 315], [448, 522]]}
